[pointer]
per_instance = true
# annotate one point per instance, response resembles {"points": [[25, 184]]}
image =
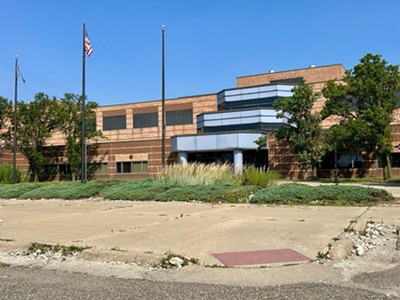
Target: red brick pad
{"points": [[231, 259]]}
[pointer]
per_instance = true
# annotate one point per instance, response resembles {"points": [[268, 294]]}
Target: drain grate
{"points": [[231, 259]]}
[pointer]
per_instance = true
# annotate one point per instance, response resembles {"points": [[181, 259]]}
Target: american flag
{"points": [[88, 45]]}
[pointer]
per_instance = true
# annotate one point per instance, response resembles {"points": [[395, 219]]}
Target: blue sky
{"points": [[208, 43]]}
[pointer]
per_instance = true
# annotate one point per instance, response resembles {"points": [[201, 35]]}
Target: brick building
{"points": [[206, 128]]}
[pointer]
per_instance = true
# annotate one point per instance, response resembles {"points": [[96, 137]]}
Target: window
{"points": [[343, 161], [132, 167], [97, 168], [145, 120], [114, 123], [179, 117]]}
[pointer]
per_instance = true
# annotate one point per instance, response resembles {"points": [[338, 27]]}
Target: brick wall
{"points": [[310, 75]]}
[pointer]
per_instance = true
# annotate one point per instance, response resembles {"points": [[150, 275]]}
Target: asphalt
{"points": [[144, 231]]}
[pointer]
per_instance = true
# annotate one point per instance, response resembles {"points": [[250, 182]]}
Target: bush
{"points": [[199, 174], [69, 190], [208, 193], [16, 190], [6, 174], [135, 190], [257, 176], [320, 195], [159, 191]]}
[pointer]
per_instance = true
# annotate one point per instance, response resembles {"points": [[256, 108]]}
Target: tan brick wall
{"points": [[310, 75]]}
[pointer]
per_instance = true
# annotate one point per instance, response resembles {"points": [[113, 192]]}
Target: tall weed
{"points": [[199, 174], [6, 174], [258, 177]]}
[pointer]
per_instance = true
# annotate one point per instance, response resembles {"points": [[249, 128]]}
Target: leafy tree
{"points": [[304, 133], [5, 109], [36, 122], [69, 116], [365, 102]]}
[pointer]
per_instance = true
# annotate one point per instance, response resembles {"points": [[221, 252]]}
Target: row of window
{"points": [[64, 170], [146, 120]]}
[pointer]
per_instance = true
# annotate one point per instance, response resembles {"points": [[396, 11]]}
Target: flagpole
{"points": [[163, 103], [83, 142], [15, 122]]}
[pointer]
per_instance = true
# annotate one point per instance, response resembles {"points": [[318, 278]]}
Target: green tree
{"points": [[365, 103], [69, 117], [304, 133], [5, 109], [36, 122]]}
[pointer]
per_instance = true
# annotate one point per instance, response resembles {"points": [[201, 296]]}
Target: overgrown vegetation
{"points": [[320, 195], [64, 250], [258, 177], [6, 174], [69, 190], [253, 186], [165, 261], [161, 191], [4, 265], [199, 174]]}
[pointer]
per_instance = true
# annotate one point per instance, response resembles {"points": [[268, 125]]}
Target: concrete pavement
{"points": [[145, 231]]}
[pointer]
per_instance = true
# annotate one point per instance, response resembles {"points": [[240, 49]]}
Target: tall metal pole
{"points": [[15, 121], [83, 150], [163, 103]]}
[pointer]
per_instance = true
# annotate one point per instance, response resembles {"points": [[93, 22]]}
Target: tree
{"points": [[36, 122], [5, 109], [304, 133], [365, 103], [69, 117]]}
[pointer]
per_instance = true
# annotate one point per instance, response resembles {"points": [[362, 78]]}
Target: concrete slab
{"points": [[135, 230]]}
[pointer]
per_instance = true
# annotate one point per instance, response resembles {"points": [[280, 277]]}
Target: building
{"points": [[220, 127]]}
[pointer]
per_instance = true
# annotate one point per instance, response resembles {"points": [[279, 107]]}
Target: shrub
{"points": [[160, 191], [199, 174], [16, 190], [321, 195], [257, 176], [70, 190], [6, 174], [135, 190]]}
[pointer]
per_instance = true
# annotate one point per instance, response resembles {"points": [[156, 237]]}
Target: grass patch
{"points": [[320, 195], [4, 265], [65, 250]]}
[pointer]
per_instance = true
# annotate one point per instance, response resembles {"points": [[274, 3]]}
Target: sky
{"points": [[208, 43]]}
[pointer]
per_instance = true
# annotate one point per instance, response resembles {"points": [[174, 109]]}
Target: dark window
{"points": [[132, 167], [251, 103], [97, 168], [395, 160], [179, 117], [114, 123], [295, 80], [145, 120], [211, 157], [343, 161]]}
